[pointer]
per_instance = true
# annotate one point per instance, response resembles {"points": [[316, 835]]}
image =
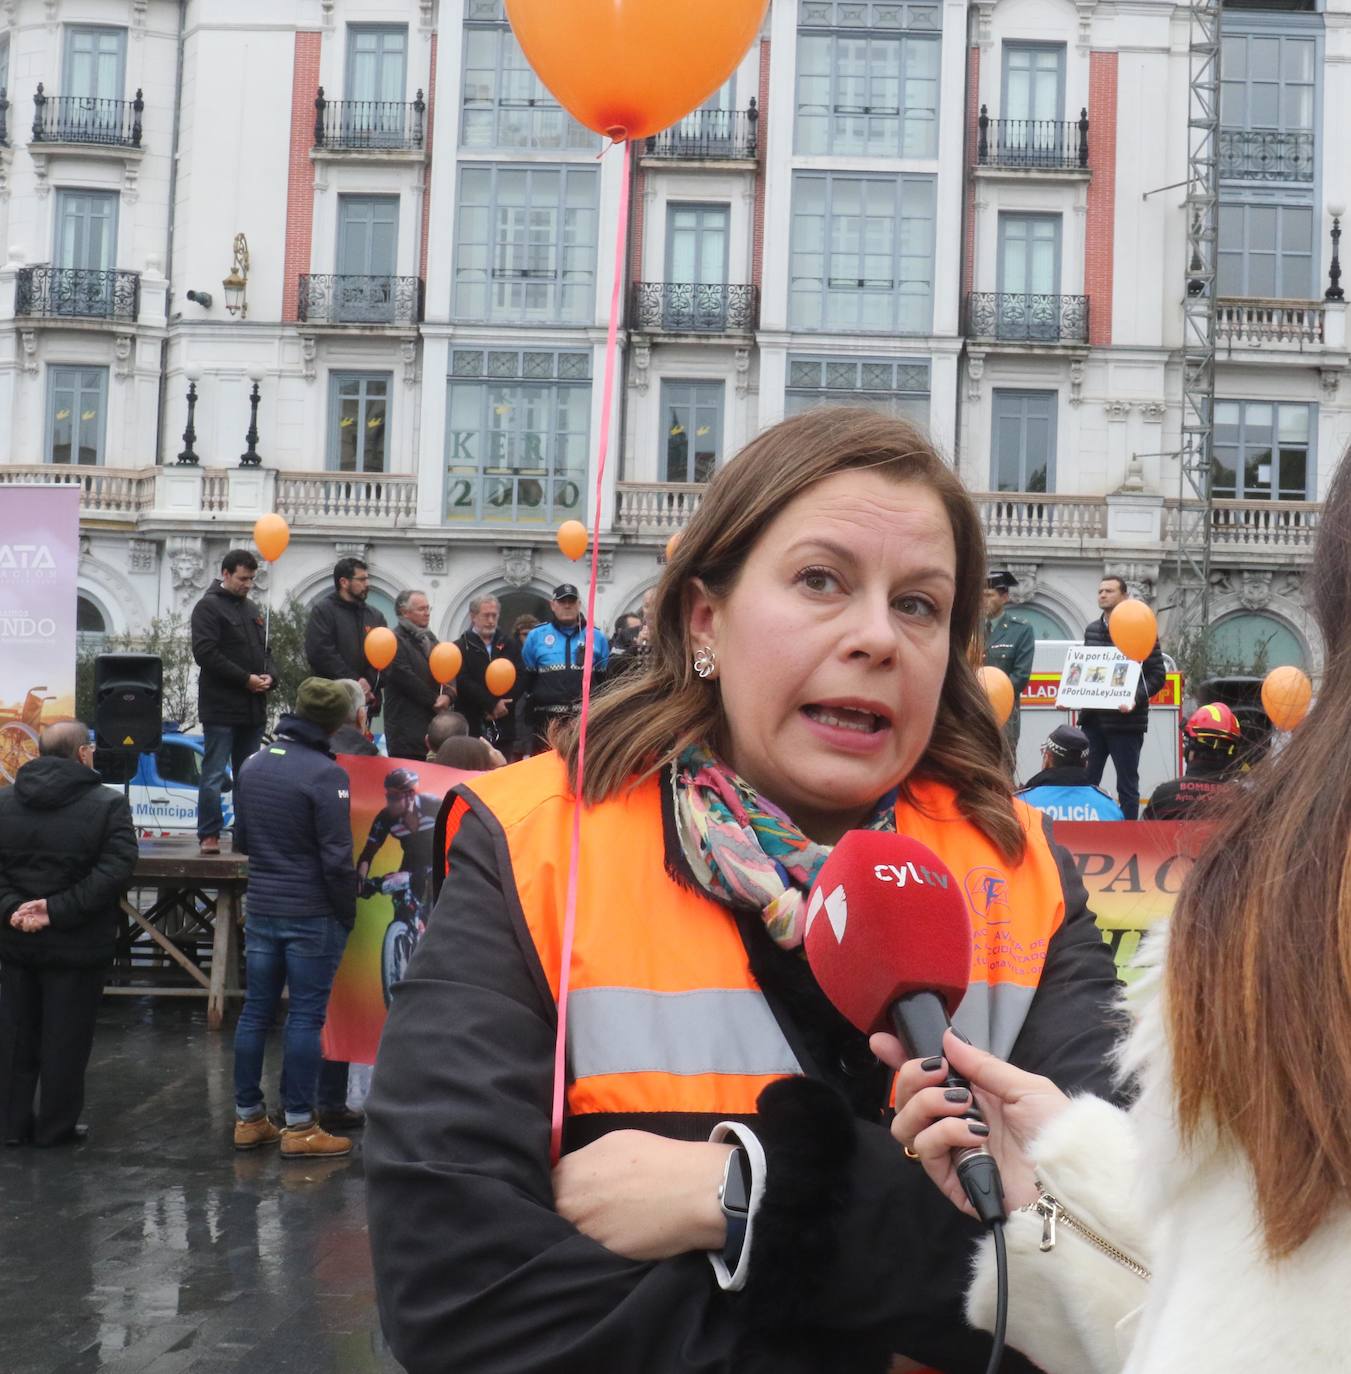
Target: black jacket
{"points": [[475, 1270], [473, 700], [335, 638], [293, 820], [347, 739], [65, 837], [1153, 675], [228, 644], [1182, 798], [1063, 775], [410, 696]]}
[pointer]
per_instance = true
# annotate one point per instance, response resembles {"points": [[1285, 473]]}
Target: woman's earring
{"points": [[705, 662]]}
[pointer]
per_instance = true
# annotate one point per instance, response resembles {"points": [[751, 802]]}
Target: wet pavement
{"points": [[155, 1249]]}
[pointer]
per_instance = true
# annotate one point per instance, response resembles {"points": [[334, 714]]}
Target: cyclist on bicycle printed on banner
{"points": [[409, 817]]}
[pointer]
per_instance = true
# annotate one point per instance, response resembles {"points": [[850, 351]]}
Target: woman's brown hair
{"points": [[1258, 972], [645, 719]]}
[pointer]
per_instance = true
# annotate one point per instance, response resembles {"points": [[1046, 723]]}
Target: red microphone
{"points": [[889, 940]]}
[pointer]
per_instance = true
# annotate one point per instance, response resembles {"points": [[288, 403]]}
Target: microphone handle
{"points": [[919, 1020]]}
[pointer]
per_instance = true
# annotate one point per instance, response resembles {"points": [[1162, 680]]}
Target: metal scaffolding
{"points": [[1193, 529]]}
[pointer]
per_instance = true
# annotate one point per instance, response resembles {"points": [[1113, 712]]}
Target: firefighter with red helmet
{"points": [[1213, 745]]}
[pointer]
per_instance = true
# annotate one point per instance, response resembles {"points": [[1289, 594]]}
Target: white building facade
{"points": [[970, 214]]}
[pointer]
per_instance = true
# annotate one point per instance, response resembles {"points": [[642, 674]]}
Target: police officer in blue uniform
{"points": [[552, 656], [1009, 646], [1062, 788]]}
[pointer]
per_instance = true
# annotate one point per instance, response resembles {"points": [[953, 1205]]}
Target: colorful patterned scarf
{"points": [[742, 848]]}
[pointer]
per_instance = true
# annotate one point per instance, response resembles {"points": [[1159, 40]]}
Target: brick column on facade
{"points": [[1100, 225], [758, 223], [972, 137], [427, 168], [300, 172]]}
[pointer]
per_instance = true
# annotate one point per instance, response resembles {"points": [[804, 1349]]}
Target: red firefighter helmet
{"points": [[1214, 726]]}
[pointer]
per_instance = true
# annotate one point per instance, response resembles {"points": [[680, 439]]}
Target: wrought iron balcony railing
{"points": [[1267, 154], [339, 298], [1027, 317], [357, 125], [75, 119], [709, 134], [4, 117], [694, 308], [1046, 144], [77, 293]]}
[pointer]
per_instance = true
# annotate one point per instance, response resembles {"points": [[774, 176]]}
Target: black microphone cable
{"points": [[1001, 1317]]}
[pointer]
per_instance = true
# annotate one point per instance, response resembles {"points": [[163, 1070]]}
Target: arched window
{"points": [[1045, 624], [91, 629], [1249, 642]]}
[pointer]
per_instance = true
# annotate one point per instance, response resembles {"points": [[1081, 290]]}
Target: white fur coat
{"points": [[1215, 1304]]}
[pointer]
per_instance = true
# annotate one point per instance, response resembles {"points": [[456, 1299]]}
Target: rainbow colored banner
{"points": [[392, 844]]}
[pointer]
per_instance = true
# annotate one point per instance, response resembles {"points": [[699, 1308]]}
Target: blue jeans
{"points": [[301, 953], [227, 746], [1123, 747]]}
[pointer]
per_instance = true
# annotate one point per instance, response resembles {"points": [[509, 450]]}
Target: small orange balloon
{"points": [[445, 661], [1286, 694], [1133, 629], [381, 646], [671, 545], [572, 539], [271, 534], [500, 676], [999, 688], [630, 68]]}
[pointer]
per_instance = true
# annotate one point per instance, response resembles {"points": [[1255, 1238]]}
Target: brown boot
{"points": [[249, 1135], [310, 1140]]}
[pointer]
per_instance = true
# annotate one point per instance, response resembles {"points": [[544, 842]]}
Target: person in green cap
{"points": [[1009, 645]]}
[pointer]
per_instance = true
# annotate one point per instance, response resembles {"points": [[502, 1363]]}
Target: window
{"points": [[525, 247], [861, 256], [368, 239], [4, 62], [358, 421], [1267, 81], [178, 764], [1031, 128], [94, 64], [1250, 643], [505, 103], [1045, 624], [894, 387], [691, 425], [377, 75], [85, 254], [1263, 451], [77, 406], [866, 92], [1023, 428], [1266, 252], [517, 435], [1029, 278], [91, 628]]}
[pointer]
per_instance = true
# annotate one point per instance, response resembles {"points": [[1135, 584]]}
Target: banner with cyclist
{"points": [[394, 807]]}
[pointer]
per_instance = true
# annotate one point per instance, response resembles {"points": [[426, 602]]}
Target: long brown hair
{"points": [[645, 719], [1258, 973]]}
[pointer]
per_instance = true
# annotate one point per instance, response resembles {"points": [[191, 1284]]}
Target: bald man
{"points": [[67, 853]]}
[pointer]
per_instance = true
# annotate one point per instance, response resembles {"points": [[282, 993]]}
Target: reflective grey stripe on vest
{"points": [[710, 1030], [992, 1017]]}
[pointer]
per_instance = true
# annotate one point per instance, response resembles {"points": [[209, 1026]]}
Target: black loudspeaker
{"points": [[128, 702]]}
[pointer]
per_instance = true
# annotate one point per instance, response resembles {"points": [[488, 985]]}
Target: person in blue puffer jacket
{"points": [[552, 658], [1062, 788], [293, 820]]}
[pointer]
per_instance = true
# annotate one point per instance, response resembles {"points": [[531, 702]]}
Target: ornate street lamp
{"points": [[189, 458], [251, 458], [1334, 292], [236, 284]]}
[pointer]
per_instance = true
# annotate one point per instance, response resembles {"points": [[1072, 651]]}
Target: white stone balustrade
{"points": [[106, 493], [1049, 519], [1265, 324], [316, 498], [655, 508]]}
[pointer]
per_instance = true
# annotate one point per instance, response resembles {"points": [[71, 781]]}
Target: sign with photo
{"points": [[1097, 679]]}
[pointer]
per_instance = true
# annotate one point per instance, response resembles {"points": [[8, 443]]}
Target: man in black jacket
{"points": [[487, 714], [412, 695], [335, 637], [1120, 734], [67, 853], [230, 646], [293, 820]]}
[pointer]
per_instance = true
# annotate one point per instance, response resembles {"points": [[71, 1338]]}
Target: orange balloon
{"points": [[500, 676], [999, 688], [1133, 629], [445, 661], [671, 544], [1286, 694], [381, 646], [271, 534], [630, 68], [572, 539]]}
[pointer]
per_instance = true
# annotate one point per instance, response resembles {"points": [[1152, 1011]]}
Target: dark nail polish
{"points": [[957, 1095], [977, 1128], [929, 1065]]}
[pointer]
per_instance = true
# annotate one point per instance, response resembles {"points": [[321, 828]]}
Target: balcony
{"points": [[106, 493], [655, 509], [709, 136], [1262, 527], [319, 498], [1289, 326], [1020, 517], [75, 119], [1032, 145], [1023, 317], [1266, 155], [77, 293], [663, 307], [369, 126], [4, 117], [337, 299]]}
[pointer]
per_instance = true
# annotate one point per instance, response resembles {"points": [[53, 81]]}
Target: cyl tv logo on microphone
{"points": [[837, 911]]}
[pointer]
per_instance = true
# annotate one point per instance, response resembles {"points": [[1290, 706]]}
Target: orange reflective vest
{"points": [[664, 1015]]}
